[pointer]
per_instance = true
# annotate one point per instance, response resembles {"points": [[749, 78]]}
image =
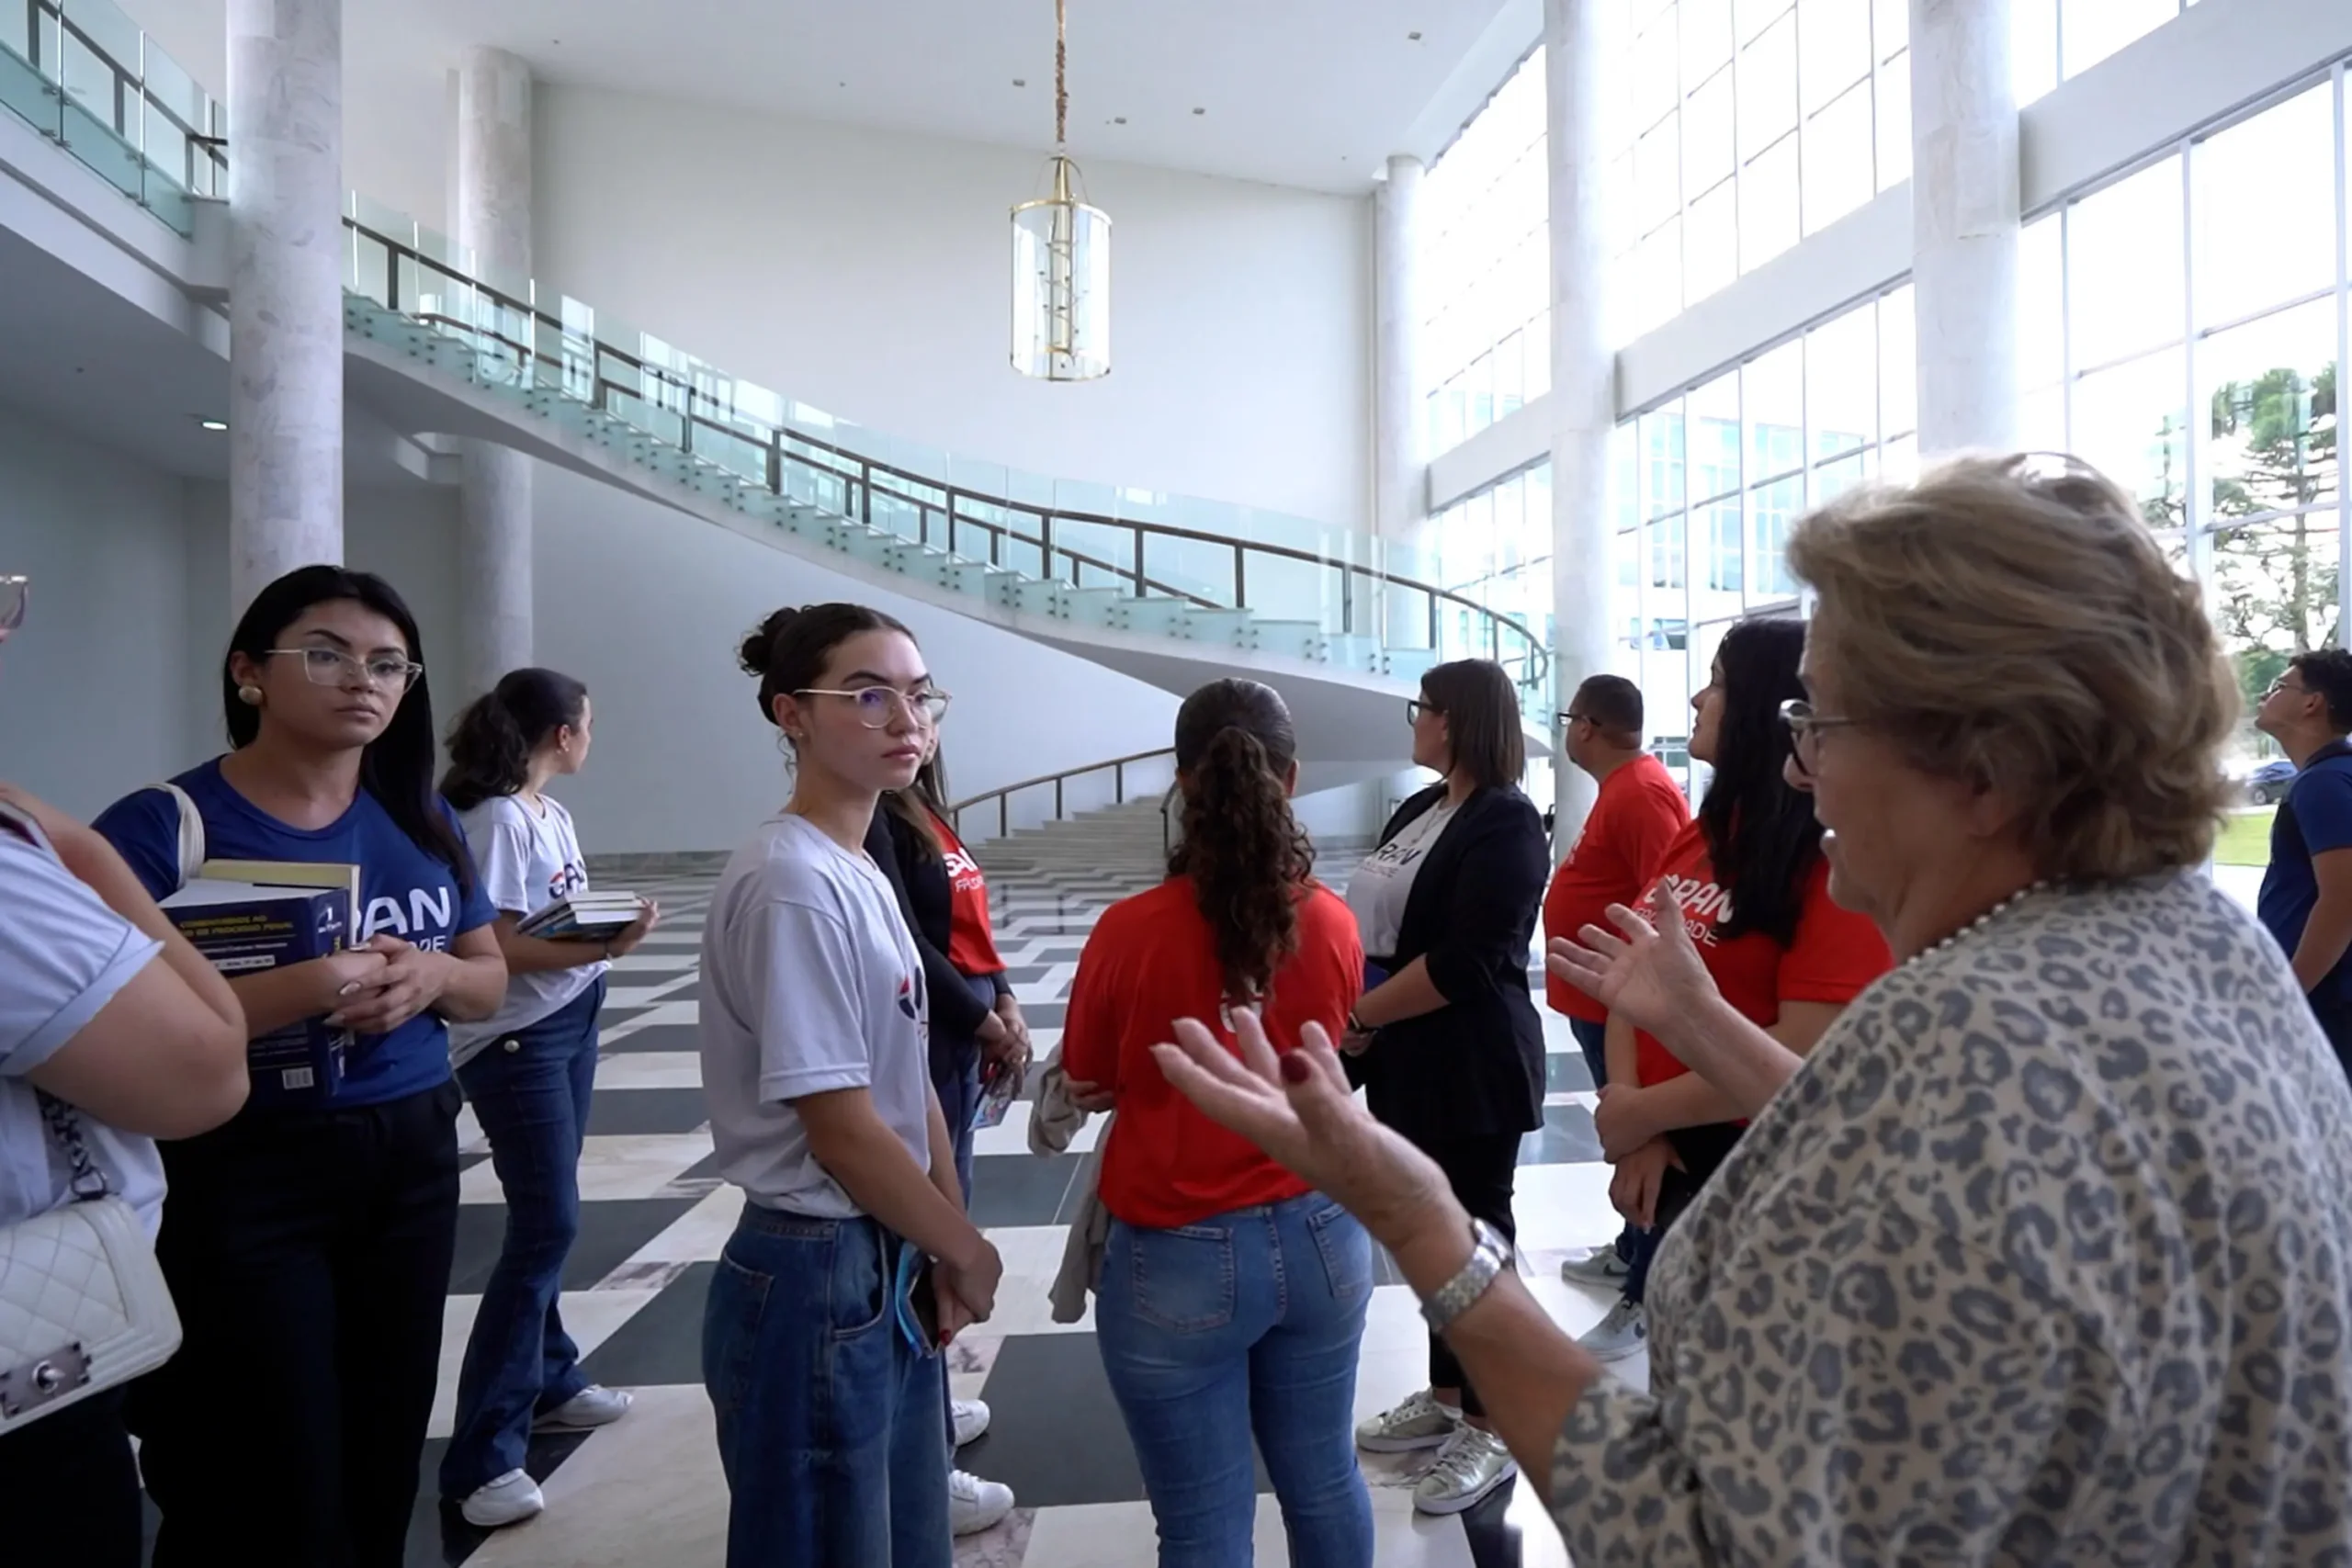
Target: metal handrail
{"points": [[864, 478], [130, 87], [1003, 797]]}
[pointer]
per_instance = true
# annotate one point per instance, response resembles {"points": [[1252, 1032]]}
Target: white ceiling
{"points": [[1309, 93]]}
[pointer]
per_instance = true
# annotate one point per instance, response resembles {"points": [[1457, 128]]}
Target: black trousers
{"points": [[1481, 1169], [68, 1489], [309, 1254], [1702, 1151]]}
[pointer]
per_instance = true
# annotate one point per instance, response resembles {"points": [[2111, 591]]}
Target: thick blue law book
{"points": [[246, 921]]}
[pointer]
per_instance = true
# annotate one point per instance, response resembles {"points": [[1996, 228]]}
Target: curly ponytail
{"points": [[491, 743], [1242, 848]]}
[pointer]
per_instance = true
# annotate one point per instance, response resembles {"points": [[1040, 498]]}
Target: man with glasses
{"points": [[2306, 901], [1632, 824]]}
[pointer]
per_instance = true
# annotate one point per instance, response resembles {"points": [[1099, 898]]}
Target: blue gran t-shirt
{"points": [[404, 892], [2316, 817]]}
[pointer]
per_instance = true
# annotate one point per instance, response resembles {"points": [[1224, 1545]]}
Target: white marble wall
{"points": [[286, 301], [1964, 222], [494, 224], [1576, 37]]}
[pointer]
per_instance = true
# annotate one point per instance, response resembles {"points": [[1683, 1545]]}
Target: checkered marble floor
{"points": [[655, 1216]]}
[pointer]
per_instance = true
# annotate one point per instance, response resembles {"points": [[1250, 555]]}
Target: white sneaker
{"points": [[974, 1505], [1624, 1332], [1419, 1422], [592, 1407], [1472, 1464], [1601, 1266], [971, 1419], [509, 1500]]}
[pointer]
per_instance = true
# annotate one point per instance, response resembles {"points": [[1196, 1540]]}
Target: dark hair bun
{"points": [[758, 646]]}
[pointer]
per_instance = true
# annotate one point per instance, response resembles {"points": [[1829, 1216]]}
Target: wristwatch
{"points": [[1490, 1255]]}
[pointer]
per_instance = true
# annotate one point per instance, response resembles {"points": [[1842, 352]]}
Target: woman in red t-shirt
{"points": [[1755, 896], [1232, 1297]]}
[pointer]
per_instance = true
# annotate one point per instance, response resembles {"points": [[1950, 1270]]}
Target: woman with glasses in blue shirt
{"points": [[308, 1242]]}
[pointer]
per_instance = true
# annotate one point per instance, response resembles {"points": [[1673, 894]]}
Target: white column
{"points": [[1964, 223], [1576, 40], [285, 308], [1400, 419], [494, 224]]}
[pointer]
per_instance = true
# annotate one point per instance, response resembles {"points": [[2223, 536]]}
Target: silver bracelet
{"points": [[1490, 1255]]}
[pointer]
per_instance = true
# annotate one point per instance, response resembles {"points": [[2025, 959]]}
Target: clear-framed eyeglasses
{"points": [[877, 705], [333, 667], [1806, 727], [16, 593]]}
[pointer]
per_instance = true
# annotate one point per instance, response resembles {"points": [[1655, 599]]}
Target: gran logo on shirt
{"points": [[565, 881], [963, 871], [425, 920], [1705, 905]]}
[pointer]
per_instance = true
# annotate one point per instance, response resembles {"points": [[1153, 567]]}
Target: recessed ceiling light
{"points": [[1120, 120], [213, 424], [1200, 111], [1021, 80], [1413, 37]]}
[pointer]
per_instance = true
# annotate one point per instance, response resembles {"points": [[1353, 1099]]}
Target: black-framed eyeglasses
{"points": [[333, 667], [1416, 706], [16, 593], [1806, 728], [877, 705]]}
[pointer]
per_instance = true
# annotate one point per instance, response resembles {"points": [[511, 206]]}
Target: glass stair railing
{"points": [[1191, 572], [1222, 576]]}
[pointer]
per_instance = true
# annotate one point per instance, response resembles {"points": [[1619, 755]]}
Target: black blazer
{"points": [[1475, 1065], [926, 902]]}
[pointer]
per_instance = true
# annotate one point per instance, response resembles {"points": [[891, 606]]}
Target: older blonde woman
{"points": [[2045, 1254]]}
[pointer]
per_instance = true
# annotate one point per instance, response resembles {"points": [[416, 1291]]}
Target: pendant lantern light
{"points": [[1061, 258]]}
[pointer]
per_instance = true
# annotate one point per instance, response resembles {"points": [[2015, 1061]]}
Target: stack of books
{"points": [[584, 916], [248, 917]]}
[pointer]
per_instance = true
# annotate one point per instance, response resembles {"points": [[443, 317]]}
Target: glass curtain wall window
{"points": [[1487, 263], [1706, 486], [2184, 327], [2055, 40], [1494, 546], [1752, 125]]}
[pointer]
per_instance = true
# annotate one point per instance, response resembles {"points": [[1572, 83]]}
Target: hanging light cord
{"points": [[1061, 75]]}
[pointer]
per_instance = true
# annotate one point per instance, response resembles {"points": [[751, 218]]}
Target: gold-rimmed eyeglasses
{"points": [[877, 705], [333, 667]]}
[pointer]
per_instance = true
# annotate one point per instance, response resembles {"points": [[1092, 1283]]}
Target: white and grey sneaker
{"points": [[509, 1500], [595, 1405], [971, 1419], [1601, 1266], [1419, 1422], [1473, 1463], [1624, 1332], [974, 1505]]}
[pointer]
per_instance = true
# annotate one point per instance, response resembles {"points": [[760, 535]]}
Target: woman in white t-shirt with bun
{"points": [[529, 1070]]}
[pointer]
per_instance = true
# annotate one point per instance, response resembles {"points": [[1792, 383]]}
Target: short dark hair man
{"points": [[2306, 901], [1633, 823]]}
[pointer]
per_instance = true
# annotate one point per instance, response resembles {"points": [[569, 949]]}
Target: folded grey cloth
{"points": [[1052, 1124]]}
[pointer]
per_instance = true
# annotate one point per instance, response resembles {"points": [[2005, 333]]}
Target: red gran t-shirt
{"points": [[1632, 826], [1834, 954], [971, 941], [1152, 960]]}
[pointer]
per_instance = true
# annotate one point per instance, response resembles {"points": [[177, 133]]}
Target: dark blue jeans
{"points": [[829, 1425], [1249, 1322], [1589, 1038], [955, 1075], [530, 1091]]}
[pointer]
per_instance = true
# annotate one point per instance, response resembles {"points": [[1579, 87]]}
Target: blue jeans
{"points": [[955, 1076], [530, 1092], [829, 1426], [1590, 1038], [1248, 1322]]}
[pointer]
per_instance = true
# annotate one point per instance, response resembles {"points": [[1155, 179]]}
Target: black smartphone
{"points": [[922, 1298]]}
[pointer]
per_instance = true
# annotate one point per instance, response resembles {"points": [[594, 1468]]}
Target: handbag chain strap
{"points": [[65, 1126]]}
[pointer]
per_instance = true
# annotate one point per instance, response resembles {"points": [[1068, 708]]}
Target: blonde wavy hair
{"points": [[2009, 621]]}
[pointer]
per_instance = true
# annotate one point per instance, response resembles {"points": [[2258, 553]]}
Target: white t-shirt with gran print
{"points": [[810, 985], [1381, 886], [528, 860]]}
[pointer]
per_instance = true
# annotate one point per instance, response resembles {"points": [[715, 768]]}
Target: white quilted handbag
{"points": [[83, 1303]]}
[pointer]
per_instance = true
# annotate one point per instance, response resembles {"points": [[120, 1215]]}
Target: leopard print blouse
{"points": [[2045, 1257]]}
